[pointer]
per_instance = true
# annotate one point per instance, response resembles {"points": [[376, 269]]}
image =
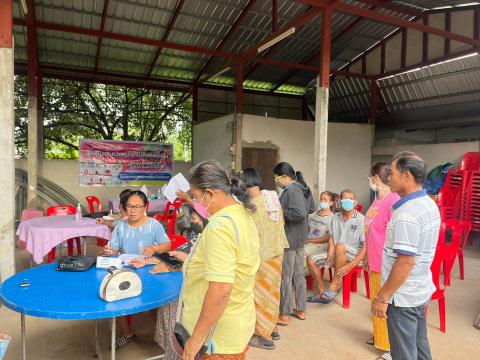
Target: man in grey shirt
{"points": [[410, 244], [347, 231]]}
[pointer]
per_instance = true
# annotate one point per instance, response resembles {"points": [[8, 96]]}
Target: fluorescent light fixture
{"points": [[442, 7], [276, 39], [431, 65], [218, 73], [24, 6], [468, 4]]}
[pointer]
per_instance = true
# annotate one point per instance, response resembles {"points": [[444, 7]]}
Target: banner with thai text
{"points": [[134, 163]]}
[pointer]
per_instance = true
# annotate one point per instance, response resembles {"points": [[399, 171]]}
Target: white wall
{"points": [[212, 139], [65, 174], [433, 154], [348, 155]]}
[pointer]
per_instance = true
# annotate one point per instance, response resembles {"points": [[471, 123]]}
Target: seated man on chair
{"points": [[347, 231]]}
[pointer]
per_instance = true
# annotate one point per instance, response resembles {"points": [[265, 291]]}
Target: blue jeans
{"points": [[407, 331]]}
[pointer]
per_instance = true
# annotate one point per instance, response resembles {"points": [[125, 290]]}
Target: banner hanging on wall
{"points": [[133, 163]]}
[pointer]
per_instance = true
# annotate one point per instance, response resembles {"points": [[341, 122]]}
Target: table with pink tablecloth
{"points": [[154, 206], [42, 234]]}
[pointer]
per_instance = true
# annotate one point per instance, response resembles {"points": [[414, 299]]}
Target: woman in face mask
{"points": [[376, 219], [269, 222], [296, 206]]}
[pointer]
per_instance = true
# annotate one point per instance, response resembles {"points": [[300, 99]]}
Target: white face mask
{"points": [[373, 186]]}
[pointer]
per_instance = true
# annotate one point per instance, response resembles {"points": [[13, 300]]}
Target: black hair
{"points": [[250, 177], [348, 191], [285, 169], [138, 193], [123, 198], [193, 211], [413, 163], [212, 175], [382, 170], [331, 195]]}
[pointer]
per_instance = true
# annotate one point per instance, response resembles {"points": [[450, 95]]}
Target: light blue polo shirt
{"points": [[413, 230]]}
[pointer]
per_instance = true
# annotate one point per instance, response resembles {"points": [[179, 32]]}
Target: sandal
{"points": [[261, 343], [296, 316], [328, 296], [370, 341], [275, 336], [122, 341]]}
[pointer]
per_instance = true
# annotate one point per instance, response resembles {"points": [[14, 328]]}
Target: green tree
{"points": [[74, 110]]}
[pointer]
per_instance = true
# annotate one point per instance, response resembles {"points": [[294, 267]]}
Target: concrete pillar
{"points": [[321, 135], [7, 169]]}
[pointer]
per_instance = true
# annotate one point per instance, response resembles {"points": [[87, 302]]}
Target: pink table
{"points": [[42, 234], [154, 206]]}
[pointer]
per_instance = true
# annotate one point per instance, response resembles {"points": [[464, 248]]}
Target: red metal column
{"points": [[6, 25], [425, 40], [195, 104], [274, 15], [382, 58], [448, 18], [403, 56], [326, 46], [373, 102], [239, 88]]}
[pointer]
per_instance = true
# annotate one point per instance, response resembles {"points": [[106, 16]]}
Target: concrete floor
{"points": [[330, 332]]}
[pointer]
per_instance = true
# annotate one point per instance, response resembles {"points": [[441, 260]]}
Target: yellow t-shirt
{"points": [[219, 258]]}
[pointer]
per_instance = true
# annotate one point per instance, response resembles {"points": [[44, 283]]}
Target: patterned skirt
{"points": [[267, 296], [380, 330]]}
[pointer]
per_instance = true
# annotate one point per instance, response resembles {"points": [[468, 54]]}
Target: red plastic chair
{"points": [[359, 208], [349, 284], [61, 210], [170, 215], [92, 202], [26, 215], [310, 281], [176, 241], [439, 294]]}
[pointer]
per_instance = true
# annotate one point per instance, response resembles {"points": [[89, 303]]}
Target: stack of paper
{"points": [[178, 182]]}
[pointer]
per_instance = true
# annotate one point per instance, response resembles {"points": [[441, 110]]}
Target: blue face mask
{"points": [[323, 206], [348, 204]]}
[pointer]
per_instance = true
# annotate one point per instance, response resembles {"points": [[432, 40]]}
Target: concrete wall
{"points": [[212, 139], [65, 174], [434, 154], [213, 104], [348, 154]]}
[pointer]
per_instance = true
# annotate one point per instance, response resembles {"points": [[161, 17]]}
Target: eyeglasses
{"points": [[134, 207]]}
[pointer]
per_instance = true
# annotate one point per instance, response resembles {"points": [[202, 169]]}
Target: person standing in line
{"points": [[296, 206], [410, 244]]}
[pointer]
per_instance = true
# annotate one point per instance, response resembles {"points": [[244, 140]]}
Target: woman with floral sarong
{"points": [[269, 222]]}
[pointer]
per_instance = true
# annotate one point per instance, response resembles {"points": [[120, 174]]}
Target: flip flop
{"points": [[123, 340], [386, 356], [370, 341], [314, 299], [297, 317], [275, 336], [328, 296], [281, 323], [261, 343]]}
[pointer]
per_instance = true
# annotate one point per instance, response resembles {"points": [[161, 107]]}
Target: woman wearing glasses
{"points": [[138, 234]]}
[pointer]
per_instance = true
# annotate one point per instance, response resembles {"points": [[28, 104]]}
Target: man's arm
{"points": [[400, 271], [321, 240]]}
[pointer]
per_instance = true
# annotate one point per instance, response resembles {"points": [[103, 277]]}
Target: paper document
{"points": [[178, 182], [126, 258]]}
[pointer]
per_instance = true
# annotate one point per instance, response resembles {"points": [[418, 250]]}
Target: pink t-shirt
{"points": [[376, 220]]}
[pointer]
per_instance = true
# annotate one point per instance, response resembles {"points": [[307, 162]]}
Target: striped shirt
{"points": [[413, 231], [350, 232]]}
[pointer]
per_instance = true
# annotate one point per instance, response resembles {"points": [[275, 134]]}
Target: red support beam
{"points": [[316, 54], [100, 39], [274, 15], [165, 36], [373, 15], [6, 26], [476, 24], [425, 40], [448, 19], [32, 50], [326, 47], [195, 104], [239, 88], [227, 37], [373, 102], [394, 7], [403, 50], [130, 38], [382, 58], [364, 64]]}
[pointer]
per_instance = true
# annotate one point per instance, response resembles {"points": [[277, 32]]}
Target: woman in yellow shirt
{"points": [[220, 271]]}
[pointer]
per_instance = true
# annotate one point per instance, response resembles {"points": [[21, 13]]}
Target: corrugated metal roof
{"points": [[201, 23]]}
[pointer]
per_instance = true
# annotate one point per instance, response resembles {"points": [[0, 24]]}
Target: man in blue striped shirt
{"points": [[410, 244]]}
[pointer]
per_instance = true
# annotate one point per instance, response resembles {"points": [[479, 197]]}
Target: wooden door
{"points": [[262, 160]]}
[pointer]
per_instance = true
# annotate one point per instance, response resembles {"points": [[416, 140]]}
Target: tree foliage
{"points": [[74, 110]]}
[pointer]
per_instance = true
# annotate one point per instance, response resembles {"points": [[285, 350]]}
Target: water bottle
{"points": [[78, 214]]}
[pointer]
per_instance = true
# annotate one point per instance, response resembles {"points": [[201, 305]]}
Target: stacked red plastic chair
{"points": [[92, 202]]}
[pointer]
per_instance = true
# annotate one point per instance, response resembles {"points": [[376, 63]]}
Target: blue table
{"points": [[75, 296]]}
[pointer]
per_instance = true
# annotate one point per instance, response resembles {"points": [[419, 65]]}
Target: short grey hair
{"points": [[348, 191], [413, 163]]}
